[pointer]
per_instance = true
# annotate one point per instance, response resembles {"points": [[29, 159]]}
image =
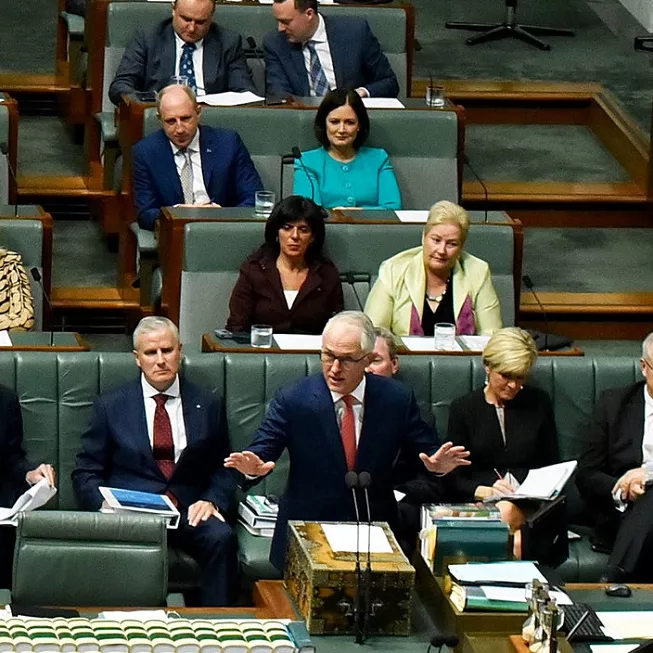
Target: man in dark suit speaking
{"points": [[615, 472], [310, 54], [188, 164], [189, 44], [339, 421], [162, 434]]}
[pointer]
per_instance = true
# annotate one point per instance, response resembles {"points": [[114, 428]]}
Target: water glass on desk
{"points": [[263, 203], [445, 336], [261, 336], [181, 80], [434, 95]]}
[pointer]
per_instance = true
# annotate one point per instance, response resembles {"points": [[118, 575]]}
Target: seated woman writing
{"points": [[288, 283], [437, 282], [343, 173], [507, 426]]}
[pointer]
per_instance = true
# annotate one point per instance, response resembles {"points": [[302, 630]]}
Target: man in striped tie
{"points": [[311, 53], [162, 434], [338, 421]]}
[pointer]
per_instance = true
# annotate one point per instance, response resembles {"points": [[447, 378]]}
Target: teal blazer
{"points": [[367, 182]]}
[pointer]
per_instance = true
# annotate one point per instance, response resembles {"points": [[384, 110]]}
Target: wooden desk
{"points": [[40, 341], [493, 643], [212, 344]]}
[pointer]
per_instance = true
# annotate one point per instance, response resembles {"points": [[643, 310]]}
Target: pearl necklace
{"points": [[437, 299]]}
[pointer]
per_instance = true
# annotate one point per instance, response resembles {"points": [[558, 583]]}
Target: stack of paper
{"points": [[38, 495], [545, 483]]}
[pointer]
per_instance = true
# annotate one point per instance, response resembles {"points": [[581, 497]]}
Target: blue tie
{"points": [[186, 67], [319, 82]]}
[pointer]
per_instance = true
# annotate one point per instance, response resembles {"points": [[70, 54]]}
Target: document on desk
{"points": [[38, 495], [413, 216], [516, 594], [612, 648], [342, 538], [382, 103], [417, 343], [474, 343], [627, 625], [509, 573], [230, 99], [298, 342], [5, 340]]}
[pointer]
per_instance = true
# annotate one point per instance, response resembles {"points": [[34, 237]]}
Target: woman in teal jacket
{"points": [[343, 173]]}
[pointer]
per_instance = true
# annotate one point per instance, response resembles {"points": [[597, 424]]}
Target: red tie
{"points": [[163, 448], [348, 431]]}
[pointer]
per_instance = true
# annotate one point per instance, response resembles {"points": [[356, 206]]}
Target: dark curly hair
{"points": [[338, 98], [292, 209]]}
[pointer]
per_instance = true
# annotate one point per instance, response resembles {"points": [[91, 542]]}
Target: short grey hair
{"points": [[390, 340], [647, 347], [154, 323], [355, 320], [161, 94]]}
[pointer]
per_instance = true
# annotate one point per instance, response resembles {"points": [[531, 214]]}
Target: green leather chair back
{"points": [[213, 253], [4, 158], [90, 559], [26, 238]]}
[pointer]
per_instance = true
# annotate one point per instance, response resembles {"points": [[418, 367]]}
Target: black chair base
{"points": [[509, 29]]}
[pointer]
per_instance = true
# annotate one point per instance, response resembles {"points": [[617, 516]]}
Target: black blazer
{"points": [[531, 438], [257, 297], [149, 62], [13, 462]]}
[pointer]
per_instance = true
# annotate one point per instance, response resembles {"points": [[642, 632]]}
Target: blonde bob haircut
{"points": [[446, 212], [510, 351]]}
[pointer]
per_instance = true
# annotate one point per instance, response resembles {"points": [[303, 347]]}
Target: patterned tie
{"points": [[316, 74], [186, 67], [163, 448], [186, 177], [348, 431]]}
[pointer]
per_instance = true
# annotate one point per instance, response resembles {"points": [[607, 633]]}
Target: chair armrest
{"points": [[144, 239], [108, 128], [74, 23]]}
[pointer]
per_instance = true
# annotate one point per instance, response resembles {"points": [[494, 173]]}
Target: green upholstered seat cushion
{"points": [[253, 557]]}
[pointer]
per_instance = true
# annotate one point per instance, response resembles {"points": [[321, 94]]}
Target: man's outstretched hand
{"points": [[248, 463], [446, 458]]}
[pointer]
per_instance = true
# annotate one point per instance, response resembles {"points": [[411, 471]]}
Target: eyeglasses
{"points": [[646, 362], [346, 362]]}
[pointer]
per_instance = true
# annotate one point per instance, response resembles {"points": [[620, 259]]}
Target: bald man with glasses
{"points": [[338, 421]]}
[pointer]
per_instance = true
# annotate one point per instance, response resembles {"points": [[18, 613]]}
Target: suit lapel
{"points": [[210, 58], [191, 409], [168, 168], [168, 54], [299, 68], [634, 424], [326, 414], [336, 44], [138, 429], [207, 154]]}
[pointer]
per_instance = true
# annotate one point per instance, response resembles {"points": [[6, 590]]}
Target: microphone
{"points": [[36, 275], [298, 155], [364, 482], [4, 148], [352, 482], [480, 181], [528, 282]]}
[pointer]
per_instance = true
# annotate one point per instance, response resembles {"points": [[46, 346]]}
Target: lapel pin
{"points": [[208, 149], [198, 406]]}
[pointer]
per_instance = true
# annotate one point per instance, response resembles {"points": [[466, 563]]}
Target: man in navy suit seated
{"points": [[310, 54], [186, 163], [162, 434], [338, 421], [188, 44]]}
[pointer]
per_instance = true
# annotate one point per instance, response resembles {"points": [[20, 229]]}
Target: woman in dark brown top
{"points": [[288, 283]]}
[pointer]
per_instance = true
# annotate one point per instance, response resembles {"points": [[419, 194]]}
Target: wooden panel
{"points": [[600, 215]]}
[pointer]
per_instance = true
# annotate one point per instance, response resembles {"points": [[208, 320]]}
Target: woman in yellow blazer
{"points": [[437, 282]]}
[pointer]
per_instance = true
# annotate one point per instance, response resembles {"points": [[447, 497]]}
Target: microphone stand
{"points": [[364, 481], [351, 480]]}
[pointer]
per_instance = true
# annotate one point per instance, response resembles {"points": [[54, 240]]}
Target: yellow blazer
{"points": [[396, 300]]}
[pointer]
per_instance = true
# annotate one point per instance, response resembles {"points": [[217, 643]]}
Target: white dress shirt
{"points": [[198, 62], [323, 54], [358, 407], [173, 408], [647, 440], [200, 195]]}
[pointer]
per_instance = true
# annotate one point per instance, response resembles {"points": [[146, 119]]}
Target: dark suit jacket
{"points": [[149, 62], [531, 438], [13, 462], [303, 420], [355, 51], [116, 450], [230, 176], [613, 445], [258, 298]]}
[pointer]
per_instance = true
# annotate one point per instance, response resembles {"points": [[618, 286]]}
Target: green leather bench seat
{"points": [[213, 253], [56, 393]]}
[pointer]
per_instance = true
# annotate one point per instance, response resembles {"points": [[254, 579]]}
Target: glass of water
{"points": [[261, 336], [445, 336], [181, 80], [263, 203], [434, 96]]}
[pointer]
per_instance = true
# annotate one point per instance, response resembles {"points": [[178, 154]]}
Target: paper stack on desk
{"points": [[38, 495], [545, 483]]}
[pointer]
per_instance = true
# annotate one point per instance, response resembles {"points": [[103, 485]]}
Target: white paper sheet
{"points": [[546, 482], [5, 340], [412, 216], [474, 343], [628, 625], [612, 648], [229, 99], [417, 343], [38, 495], [497, 572], [297, 342], [516, 594], [136, 615], [342, 538], [382, 102]]}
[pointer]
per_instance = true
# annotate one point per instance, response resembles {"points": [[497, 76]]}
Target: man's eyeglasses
{"points": [[346, 362], [648, 364]]}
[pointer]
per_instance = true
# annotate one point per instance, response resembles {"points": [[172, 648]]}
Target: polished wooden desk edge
{"points": [[81, 345]]}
